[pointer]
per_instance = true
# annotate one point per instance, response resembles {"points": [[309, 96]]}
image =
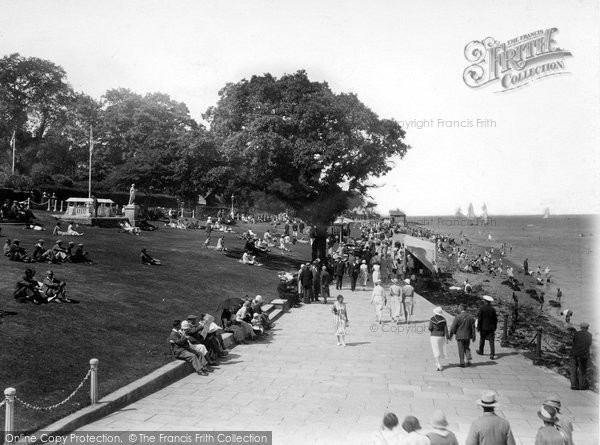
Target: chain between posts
{"points": [[56, 405]]}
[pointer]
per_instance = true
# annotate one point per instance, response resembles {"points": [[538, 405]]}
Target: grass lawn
{"points": [[125, 311]]}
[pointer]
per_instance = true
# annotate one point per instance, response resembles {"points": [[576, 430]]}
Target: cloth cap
{"points": [[487, 298], [80, 245], [40, 241], [438, 419], [437, 310], [58, 241], [488, 399], [548, 414], [49, 272], [584, 325]]}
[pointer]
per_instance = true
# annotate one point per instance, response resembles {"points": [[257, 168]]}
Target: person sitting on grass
{"points": [[148, 259], [40, 253], [80, 256], [28, 289], [54, 289], [249, 259], [18, 253], [282, 245], [182, 350], [70, 252], [128, 228], [71, 231], [59, 253], [221, 244], [6, 248]]}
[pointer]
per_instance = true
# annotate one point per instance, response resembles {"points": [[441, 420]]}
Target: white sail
{"points": [[546, 213], [484, 214], [471, 212]]}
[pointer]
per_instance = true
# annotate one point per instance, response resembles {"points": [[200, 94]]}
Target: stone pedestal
{"points": [[132, 212]]}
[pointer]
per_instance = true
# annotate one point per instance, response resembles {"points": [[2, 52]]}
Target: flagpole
{"points": [[13, 151], [90, 172]]}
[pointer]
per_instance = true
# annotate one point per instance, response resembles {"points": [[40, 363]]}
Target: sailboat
{"points": [[546, 213], [471, 212], [459, 213], [484, 214]]}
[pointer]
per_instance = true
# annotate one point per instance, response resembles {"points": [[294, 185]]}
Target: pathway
{"points": [[307, 390]]}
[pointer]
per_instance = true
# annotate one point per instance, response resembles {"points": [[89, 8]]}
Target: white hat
{"points": [[488, 398], [185, 324], [487, 298], [258, 298], [407, 281], [437, 310]]}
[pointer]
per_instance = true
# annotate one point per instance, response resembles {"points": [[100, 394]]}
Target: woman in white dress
{"points": [[376, 272], [363, 274], [378, 299], [396, 300], [340, 320]]}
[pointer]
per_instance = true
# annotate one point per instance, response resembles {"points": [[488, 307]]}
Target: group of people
{"points": [[401, 299], [40, 254], [246, 320], [488, 429], [50, 289]]}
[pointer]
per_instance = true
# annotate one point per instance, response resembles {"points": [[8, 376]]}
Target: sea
{"points": [[565, 243]]}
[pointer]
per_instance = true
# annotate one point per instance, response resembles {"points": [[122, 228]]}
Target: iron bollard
{"points": [[94, 381], [504, 341], [9, 394]]}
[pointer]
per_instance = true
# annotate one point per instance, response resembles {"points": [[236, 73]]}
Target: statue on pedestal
{"points": [[131, 194]]}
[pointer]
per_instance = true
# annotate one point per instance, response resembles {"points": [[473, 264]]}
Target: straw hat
{"points": [[394, 280], [438, 420], [437, 310], [487, 298], [548, 414], [407, 281], [258, 298], [488, 399], [554, 401]]}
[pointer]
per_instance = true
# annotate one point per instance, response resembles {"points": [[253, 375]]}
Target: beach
{"points": [[556, 244]]}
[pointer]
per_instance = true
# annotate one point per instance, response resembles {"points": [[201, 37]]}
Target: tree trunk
{"points": [[319, 246]]}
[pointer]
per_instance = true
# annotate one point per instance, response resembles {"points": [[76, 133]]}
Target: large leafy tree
{"points": [[301, 143]]}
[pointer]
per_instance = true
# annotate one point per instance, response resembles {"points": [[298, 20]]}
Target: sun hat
{"points": [[185, 324], [548, 414], [487, 298], [488, 399], [437, 310], [407, 281], [438, 419], [258, 298]]}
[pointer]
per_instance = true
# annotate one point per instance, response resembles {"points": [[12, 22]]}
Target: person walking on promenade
{"points": [[408, 300], [364, 274], [579, 356], [396, 299], [306, 278], [551, 433], [388, 433], [340, 320], [490, 429], [378, 299], [353, 271], [441, 435], [316, 279], [325, 282], [338, 270], [439, 336], [553, 401], [463, 327], [487, 321], [526, 267]]}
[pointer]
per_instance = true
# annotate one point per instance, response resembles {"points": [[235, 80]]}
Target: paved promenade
{"points": [[307, 390]]}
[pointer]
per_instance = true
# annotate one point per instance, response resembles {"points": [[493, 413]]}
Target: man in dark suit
{"points": [[306, 279], [316, 279], [580, 353], [487, 321], [463, 327], [325, 281], [353, 271], [339, 269]]}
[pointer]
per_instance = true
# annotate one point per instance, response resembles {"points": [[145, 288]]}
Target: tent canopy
{"points": [[343, 220], [423, 250]]}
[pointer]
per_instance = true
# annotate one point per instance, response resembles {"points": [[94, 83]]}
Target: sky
{"points": [[404, 59]]}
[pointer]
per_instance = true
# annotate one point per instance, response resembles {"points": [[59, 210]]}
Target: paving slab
{"points": [[307, 390]]}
